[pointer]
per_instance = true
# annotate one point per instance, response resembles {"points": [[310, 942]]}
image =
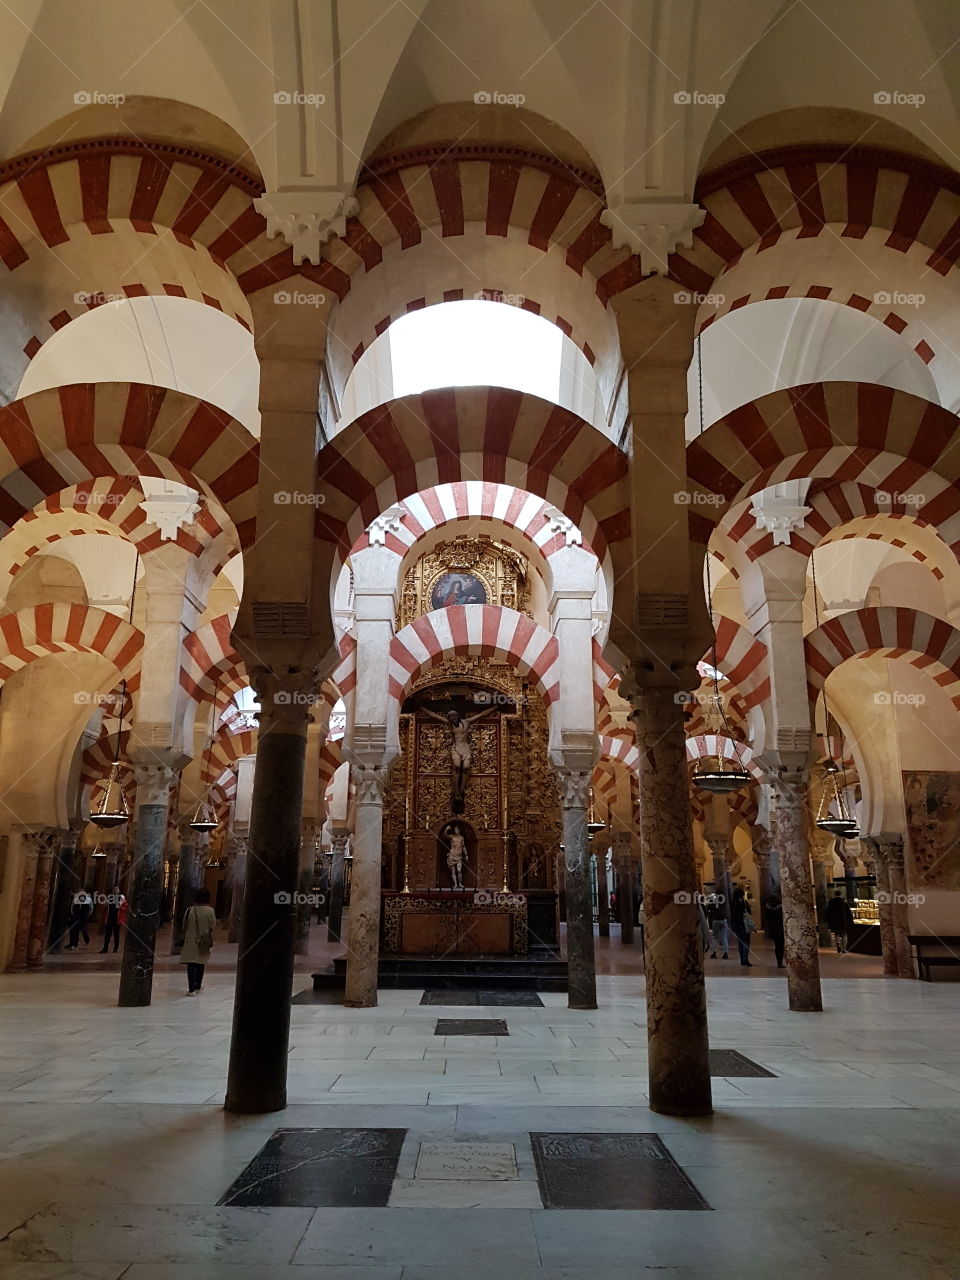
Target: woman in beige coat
{"points": [[198, 926]]}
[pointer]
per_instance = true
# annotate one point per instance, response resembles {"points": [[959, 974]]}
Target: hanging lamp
{"points": [[204, 819], [720, 779], [841, 824]]}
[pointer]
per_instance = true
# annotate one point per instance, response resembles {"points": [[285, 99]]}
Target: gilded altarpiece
{"points": [[465, 570]]}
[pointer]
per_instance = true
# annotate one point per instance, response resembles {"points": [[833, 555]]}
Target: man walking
{"points": [[839, 921]]}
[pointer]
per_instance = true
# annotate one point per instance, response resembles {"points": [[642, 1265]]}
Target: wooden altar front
{"points": [[454, 923]]}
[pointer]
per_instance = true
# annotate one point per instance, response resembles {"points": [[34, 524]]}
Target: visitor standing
{"points": [[80, 914], [742, 925], [198, 926], [717, 919], [116, 908], [773, 923], [839, 921]]}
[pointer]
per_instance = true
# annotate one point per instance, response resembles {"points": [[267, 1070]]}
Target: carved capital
{"points": [[653, 230], [788, 785], [371, 782], [574, 787], [391, 521], [338, 843], [306, 219], [781, 517], [287, 695], [153, 783], [559, 523], [44, 841], [171, 511]]}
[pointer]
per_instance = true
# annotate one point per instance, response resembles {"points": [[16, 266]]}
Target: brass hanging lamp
{"points": [[841, 823], [113, 810], [204, 819]]}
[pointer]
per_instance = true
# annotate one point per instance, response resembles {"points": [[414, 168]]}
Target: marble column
{"points": [[888, 941], [237, 879], [679, 1066], [65, 886], [625, 889], [768, 863], [189, 880], [603, 894], [145, 892], [260, 1040], [849, 860], [29, 854], [892, 851], [338, 845], [821, 895], [581, 964], [308, 844], [47, 842], [789, 816], [363, 950]]}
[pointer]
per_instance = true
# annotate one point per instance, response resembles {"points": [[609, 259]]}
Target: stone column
{"points": [[789, 814], [581, 965], [145, 892], [338, 844], [308, 843], [891, 847], [188, 881], [30, 852], [363, 952], [888, 941], [257, 1078], [64, 887], [603, 894], [237, 879], [679, 1064], [625, 903], [821, 895], [46, 842]]}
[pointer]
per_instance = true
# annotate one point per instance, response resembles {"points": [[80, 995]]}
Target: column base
{"points": [[362, 1003], [254, 1107], [704, 1109]]}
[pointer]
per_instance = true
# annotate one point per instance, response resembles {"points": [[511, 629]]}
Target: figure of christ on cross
{"points": [[461, 752]]}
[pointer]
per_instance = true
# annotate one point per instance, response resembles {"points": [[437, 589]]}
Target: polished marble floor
{"points": [[115, 1153]]}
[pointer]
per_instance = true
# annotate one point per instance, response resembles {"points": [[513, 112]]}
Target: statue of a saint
{"points": [[461, 752], [456, 855]]}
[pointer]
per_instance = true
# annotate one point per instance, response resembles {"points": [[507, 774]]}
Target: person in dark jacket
{"points": [[116, 916], [740, 925], [773, 923], [80, 914], [839, 921]]}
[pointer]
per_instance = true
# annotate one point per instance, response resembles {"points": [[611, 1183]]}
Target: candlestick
{"points": [[406, 862]]}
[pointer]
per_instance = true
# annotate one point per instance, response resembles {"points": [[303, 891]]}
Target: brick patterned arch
{"points": [[845, 431], [67, 628], [473, 433], [744, 662], [227, 749], [209, 660], [331, 758], [111, 506], [53, 440], [822, 188], [927, 643], [490, 630]]}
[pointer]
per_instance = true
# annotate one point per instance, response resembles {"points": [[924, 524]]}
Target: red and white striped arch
{"points": [[55, 439], [927, 643], [483, 501], [822, 188], [744, 661], [209, 661], [227, 749], [68, 628], [489, 434], [489, 630], [847, 431]]}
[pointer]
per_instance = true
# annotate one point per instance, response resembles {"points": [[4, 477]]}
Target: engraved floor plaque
{"points": [[467, 1161], [610, 1171]]}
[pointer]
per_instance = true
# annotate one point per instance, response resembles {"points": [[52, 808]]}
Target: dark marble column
{"points": [[237, 880], [892, 851], [257, 1080], [65, 885], [145, 892], [789, 816], [679, 1065], [603, 894], [338, 881], [888, 941], [47, 842], [305, 906], [188, 881], [626, 907], [581, 965]]}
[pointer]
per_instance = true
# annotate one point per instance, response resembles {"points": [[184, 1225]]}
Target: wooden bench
{"points": [[928, 947]]}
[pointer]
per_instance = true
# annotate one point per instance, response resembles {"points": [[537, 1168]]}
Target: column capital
{"points": [[306, 219], [574, 786], [154, 780], [287, 695], [653, 229], [371, 781]]}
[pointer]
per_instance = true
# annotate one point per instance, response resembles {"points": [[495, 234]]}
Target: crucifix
{"points": [[461, 751]]}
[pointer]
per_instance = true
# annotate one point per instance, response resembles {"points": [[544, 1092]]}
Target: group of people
{"points": [[81, 911], [716, 924]]}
